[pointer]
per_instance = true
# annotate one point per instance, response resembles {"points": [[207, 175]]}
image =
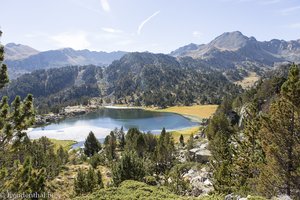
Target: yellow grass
{"points": [[196, 111], [185, 133], [66, 144], [249, 81]]}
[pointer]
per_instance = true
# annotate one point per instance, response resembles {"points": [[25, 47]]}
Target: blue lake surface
{"points": [[105, 120]]}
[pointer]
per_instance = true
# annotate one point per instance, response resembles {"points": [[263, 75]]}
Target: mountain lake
{"points": [[104, 120]]}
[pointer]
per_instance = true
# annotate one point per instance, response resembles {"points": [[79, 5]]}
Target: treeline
{"points": [[56, 88], [136, 79], [259, 153]]}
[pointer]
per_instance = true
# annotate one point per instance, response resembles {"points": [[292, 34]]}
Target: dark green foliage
{"points": [[63, 155], [99, 179], [25, 179], [3, 69], [248, 153], [161, 80], [151, 143], [181, 140], [121, 138], [96, 160], [14, 120], [44, 156], [80, 183], [91, 180], [281, 140], [219, 133], [87, 182], [263, 156], [110, 143], [138, 78], [56, 88], [178, 184], [164, 151], [140, 142], [130, 167], [91, 145], [190, 143]]}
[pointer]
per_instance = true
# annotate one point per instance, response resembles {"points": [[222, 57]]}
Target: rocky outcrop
{"points": [[200, 181], [200, 153]]}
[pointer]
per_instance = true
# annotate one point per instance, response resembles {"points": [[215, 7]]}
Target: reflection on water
{"points": [[105, 120]]}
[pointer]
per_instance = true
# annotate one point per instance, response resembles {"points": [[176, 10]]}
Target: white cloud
{"points": [[111, 30], [269, 2], [294, 25], [197, 34], [290, 10], [76, 40], [261, 2], [105, 5], [145, 21]]}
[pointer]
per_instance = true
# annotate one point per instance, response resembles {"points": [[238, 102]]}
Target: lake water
{"points": [[107, 119]]}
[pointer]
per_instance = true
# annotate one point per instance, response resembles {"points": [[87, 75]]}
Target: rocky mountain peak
{"points": [[230, 41]]}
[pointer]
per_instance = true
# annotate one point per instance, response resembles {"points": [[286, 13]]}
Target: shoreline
{"points": [[73, 111]]}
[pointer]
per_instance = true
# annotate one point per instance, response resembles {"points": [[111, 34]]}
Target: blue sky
{"points": [[143, 25]]}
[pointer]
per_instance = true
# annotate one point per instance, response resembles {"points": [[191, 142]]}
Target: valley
{"points": [[210, 121]]}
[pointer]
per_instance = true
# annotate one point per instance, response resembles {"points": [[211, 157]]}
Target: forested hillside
{"points": [[261, 148], [57, 87], [136, 79]]}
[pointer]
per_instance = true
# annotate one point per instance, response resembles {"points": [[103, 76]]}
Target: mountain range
{"points": [[235, 50], [24, 59], [191, 74], [231, 52]]}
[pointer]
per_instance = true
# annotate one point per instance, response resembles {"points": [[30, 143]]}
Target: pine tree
{"points": [[91, 180], [13, 140], [181, 140], [91, 145], [3, 68], [122, 138], [219, 133], [140, 145], [164, 151], [80, 185], [178, 184], [281, 140], [131, 137], [25, 179], [62, 155], [130, 167], [248, 153], [151, 142], [190, 143], [99, 179], [110, 146]]}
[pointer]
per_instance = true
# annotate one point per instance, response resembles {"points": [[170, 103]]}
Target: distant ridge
{"points": [[24, 59], [233, 50]]}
